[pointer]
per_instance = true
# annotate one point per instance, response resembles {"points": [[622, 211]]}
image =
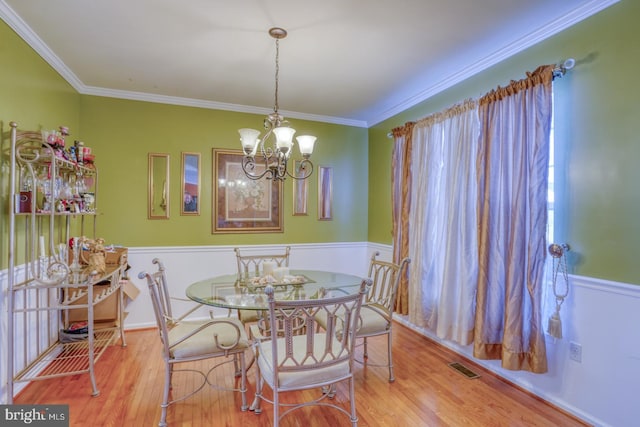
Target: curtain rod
{"points": [[559, 70]]}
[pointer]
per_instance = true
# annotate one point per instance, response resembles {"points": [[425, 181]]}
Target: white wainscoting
{"points": [[604, 389], [185, 265]]}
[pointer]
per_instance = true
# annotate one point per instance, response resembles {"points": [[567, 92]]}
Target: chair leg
{"points": [[352, 398], [165, 395], [276, 408], [255, 406], [392, 378], [366, 354], [243, 381], [236, 366], [170, 376], [329, 390]]}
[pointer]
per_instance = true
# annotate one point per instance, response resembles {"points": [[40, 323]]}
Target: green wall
{"points": [[31, 92], [598, 197], [36, 97], [122, 133]]}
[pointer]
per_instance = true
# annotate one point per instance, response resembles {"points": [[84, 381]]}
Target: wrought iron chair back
{"points": [[251, 265], [385, 278], [288, 360], [378, 307]]}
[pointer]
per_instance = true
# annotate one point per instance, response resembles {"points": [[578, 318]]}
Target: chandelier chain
{"points": [[275, 106]]}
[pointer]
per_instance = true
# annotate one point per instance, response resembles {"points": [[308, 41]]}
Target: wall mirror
{"points": [[158, 200], [190, 184], [325, 193], [300, 191]]}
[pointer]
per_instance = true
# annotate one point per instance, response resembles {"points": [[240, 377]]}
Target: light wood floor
{"points": [[426, 393]]}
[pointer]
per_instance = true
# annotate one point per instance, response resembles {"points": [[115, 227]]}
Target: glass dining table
{"points": [[229, 291]]}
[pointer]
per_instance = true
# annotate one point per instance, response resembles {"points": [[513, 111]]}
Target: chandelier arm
{"points": [[280, 168], [249, 165], [267, 150], [304, 164]]}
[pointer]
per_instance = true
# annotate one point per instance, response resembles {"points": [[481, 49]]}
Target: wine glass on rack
{"points": [[26, 179], [80, 189], [66, 191], [44, 186]]}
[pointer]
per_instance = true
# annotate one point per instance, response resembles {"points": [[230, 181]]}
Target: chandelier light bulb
{"points": [[284, 139], [305, 144], [249, 140]]}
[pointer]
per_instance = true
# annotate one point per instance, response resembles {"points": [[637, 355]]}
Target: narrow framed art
{"points": [[325, 193], [190, 184], [300, 191]]}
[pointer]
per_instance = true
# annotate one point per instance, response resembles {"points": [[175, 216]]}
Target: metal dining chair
{"points": [[377, 309], [193, 340], [289, 361], [251, 265]]}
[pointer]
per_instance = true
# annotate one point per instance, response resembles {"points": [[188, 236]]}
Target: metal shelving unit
{"points": [[48, 204]]}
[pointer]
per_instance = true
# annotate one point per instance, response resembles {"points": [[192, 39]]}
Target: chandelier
{"points": [[276, 145]]}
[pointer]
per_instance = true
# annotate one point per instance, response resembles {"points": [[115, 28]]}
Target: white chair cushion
{"points": [[372, 321], [247, 316], [304, 378], [204, 342]]}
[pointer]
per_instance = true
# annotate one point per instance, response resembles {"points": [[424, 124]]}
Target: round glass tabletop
{"points": [[229, 292]]}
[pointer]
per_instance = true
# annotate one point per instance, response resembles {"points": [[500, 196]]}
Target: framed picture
{"points": [[240, 204], [325, 193], [190, 184], [158, 181], [300, 191]]}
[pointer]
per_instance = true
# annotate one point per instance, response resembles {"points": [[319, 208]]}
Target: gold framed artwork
{"points": [[325, 193], [240, 204], [190, 184], [158, 186], [300, 191]]}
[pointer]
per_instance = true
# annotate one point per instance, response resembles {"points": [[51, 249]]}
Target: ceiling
{"points": [[354, 62]]}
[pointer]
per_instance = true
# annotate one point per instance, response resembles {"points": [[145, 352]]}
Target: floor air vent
{"points": [[464, 370]]}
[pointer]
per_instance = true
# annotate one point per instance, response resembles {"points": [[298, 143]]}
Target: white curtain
{"points": [[443, 242]]}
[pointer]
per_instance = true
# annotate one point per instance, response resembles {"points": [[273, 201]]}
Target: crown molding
{"points": [[200, 103], [26, 33], [579, 14], [31, 38]]}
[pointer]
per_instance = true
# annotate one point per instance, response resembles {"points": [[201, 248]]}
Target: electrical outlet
{"points": [[575, 352]]}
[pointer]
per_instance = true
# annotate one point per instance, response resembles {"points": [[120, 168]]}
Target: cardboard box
{"points": [[106, 311], [118, 257]]}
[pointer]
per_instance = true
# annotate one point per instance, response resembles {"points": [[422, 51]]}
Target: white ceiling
{"points": [[354, 62]]}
